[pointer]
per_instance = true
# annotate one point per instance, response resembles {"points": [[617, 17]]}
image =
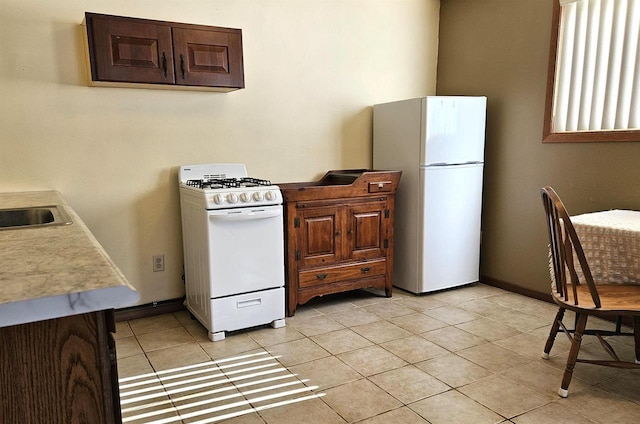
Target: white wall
{"points": [[313, 68]]}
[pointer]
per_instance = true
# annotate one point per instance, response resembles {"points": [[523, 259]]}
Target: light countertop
{"points": [[55, 271]]}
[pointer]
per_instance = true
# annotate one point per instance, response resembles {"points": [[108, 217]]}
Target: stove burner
{"points": [[217, 183], [254, 182]]}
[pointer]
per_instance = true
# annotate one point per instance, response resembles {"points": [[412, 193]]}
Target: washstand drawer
{"points": [[340, 273]]}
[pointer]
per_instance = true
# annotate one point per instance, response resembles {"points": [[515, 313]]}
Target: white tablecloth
{"points": [[611, 243]]}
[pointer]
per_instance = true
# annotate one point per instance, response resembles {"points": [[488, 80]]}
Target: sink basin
{"points": [[35, 216]]}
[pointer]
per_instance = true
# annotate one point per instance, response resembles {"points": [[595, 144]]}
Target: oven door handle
{"points": [[246, 216]]}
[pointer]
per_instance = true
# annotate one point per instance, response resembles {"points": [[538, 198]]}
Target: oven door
{"points": [[246, 249]]}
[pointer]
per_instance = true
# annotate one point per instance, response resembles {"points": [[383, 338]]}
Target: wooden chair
{"points": [[585, 298]]}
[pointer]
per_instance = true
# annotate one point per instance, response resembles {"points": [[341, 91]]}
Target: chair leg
{"points": [[636, 336], [552, 334], [581, 323]]}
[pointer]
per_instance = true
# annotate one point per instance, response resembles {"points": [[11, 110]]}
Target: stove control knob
{"points": [[257, 196], [270, 195], [218, 199], [232, 198], [245, 197]]}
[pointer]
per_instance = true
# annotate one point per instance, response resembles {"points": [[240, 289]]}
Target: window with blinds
{"points": [[594, 72]]}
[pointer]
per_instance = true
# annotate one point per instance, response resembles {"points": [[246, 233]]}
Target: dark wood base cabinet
{"points": [[60, 371], [339, 234]]}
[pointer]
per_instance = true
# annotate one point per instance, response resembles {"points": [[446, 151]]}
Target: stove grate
{"points": [[228, 182]]}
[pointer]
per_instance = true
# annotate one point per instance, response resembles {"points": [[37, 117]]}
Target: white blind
{"points": [[597, 81]]}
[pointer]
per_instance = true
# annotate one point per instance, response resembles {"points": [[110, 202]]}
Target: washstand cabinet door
{"points": [[366, 230], [131, 51], [320, 236], [208, 57]]}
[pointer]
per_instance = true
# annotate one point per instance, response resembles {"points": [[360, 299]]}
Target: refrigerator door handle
{"points": [[471, 162]]}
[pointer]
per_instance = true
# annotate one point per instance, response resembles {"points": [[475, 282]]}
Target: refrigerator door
{"points": [[451, 206], [453, 129]]}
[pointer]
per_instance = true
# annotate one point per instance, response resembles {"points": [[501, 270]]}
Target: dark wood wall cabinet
{"points": [[339, 234], [125, 51], [60, 370]]}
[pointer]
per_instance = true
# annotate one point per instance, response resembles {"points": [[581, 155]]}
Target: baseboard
{"points": [[516, 289], [176, 305], [150, 309]]}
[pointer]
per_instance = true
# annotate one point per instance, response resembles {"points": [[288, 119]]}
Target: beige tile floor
{"points": [[467, 355]]}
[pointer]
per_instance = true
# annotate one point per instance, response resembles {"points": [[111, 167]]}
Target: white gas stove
{"points": [[233, 240], [228, 186]]}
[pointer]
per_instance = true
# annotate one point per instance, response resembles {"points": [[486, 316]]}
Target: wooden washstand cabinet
{"points": [[339, 234]]}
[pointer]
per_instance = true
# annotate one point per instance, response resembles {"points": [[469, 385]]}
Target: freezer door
{"points": [[451, 208], [453, 129]]}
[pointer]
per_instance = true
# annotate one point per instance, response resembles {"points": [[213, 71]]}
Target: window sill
{"points": [[591, 137]]}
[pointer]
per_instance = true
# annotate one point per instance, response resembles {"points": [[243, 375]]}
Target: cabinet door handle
{"points": [[182, 65], [365, 269], [164, 64], [321, 276]]}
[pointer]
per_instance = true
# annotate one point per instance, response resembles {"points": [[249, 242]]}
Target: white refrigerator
{"points": [[438, 144]]}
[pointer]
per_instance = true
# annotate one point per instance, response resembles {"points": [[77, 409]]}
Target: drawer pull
{"points": [[321, 276], [365, 269], [249, 303]]}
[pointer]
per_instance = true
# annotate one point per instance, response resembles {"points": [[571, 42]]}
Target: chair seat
{"points": [[615, 299]]}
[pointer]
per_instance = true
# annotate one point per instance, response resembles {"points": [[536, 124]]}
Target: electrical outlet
{"points": [[158, 263]]}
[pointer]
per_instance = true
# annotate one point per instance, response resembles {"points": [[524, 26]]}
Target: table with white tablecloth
{"points": [[611, 243]]}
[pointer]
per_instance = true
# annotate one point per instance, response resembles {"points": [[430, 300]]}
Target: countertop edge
{"points": [[45, 308]]}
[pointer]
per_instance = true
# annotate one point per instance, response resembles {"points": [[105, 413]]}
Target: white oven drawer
{"points": [[247, 310]]}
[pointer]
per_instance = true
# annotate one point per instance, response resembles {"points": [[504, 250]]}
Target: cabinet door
{"points": [[208, 57], [366, 230], [58, 371], [320, 235], [131, 51]]}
